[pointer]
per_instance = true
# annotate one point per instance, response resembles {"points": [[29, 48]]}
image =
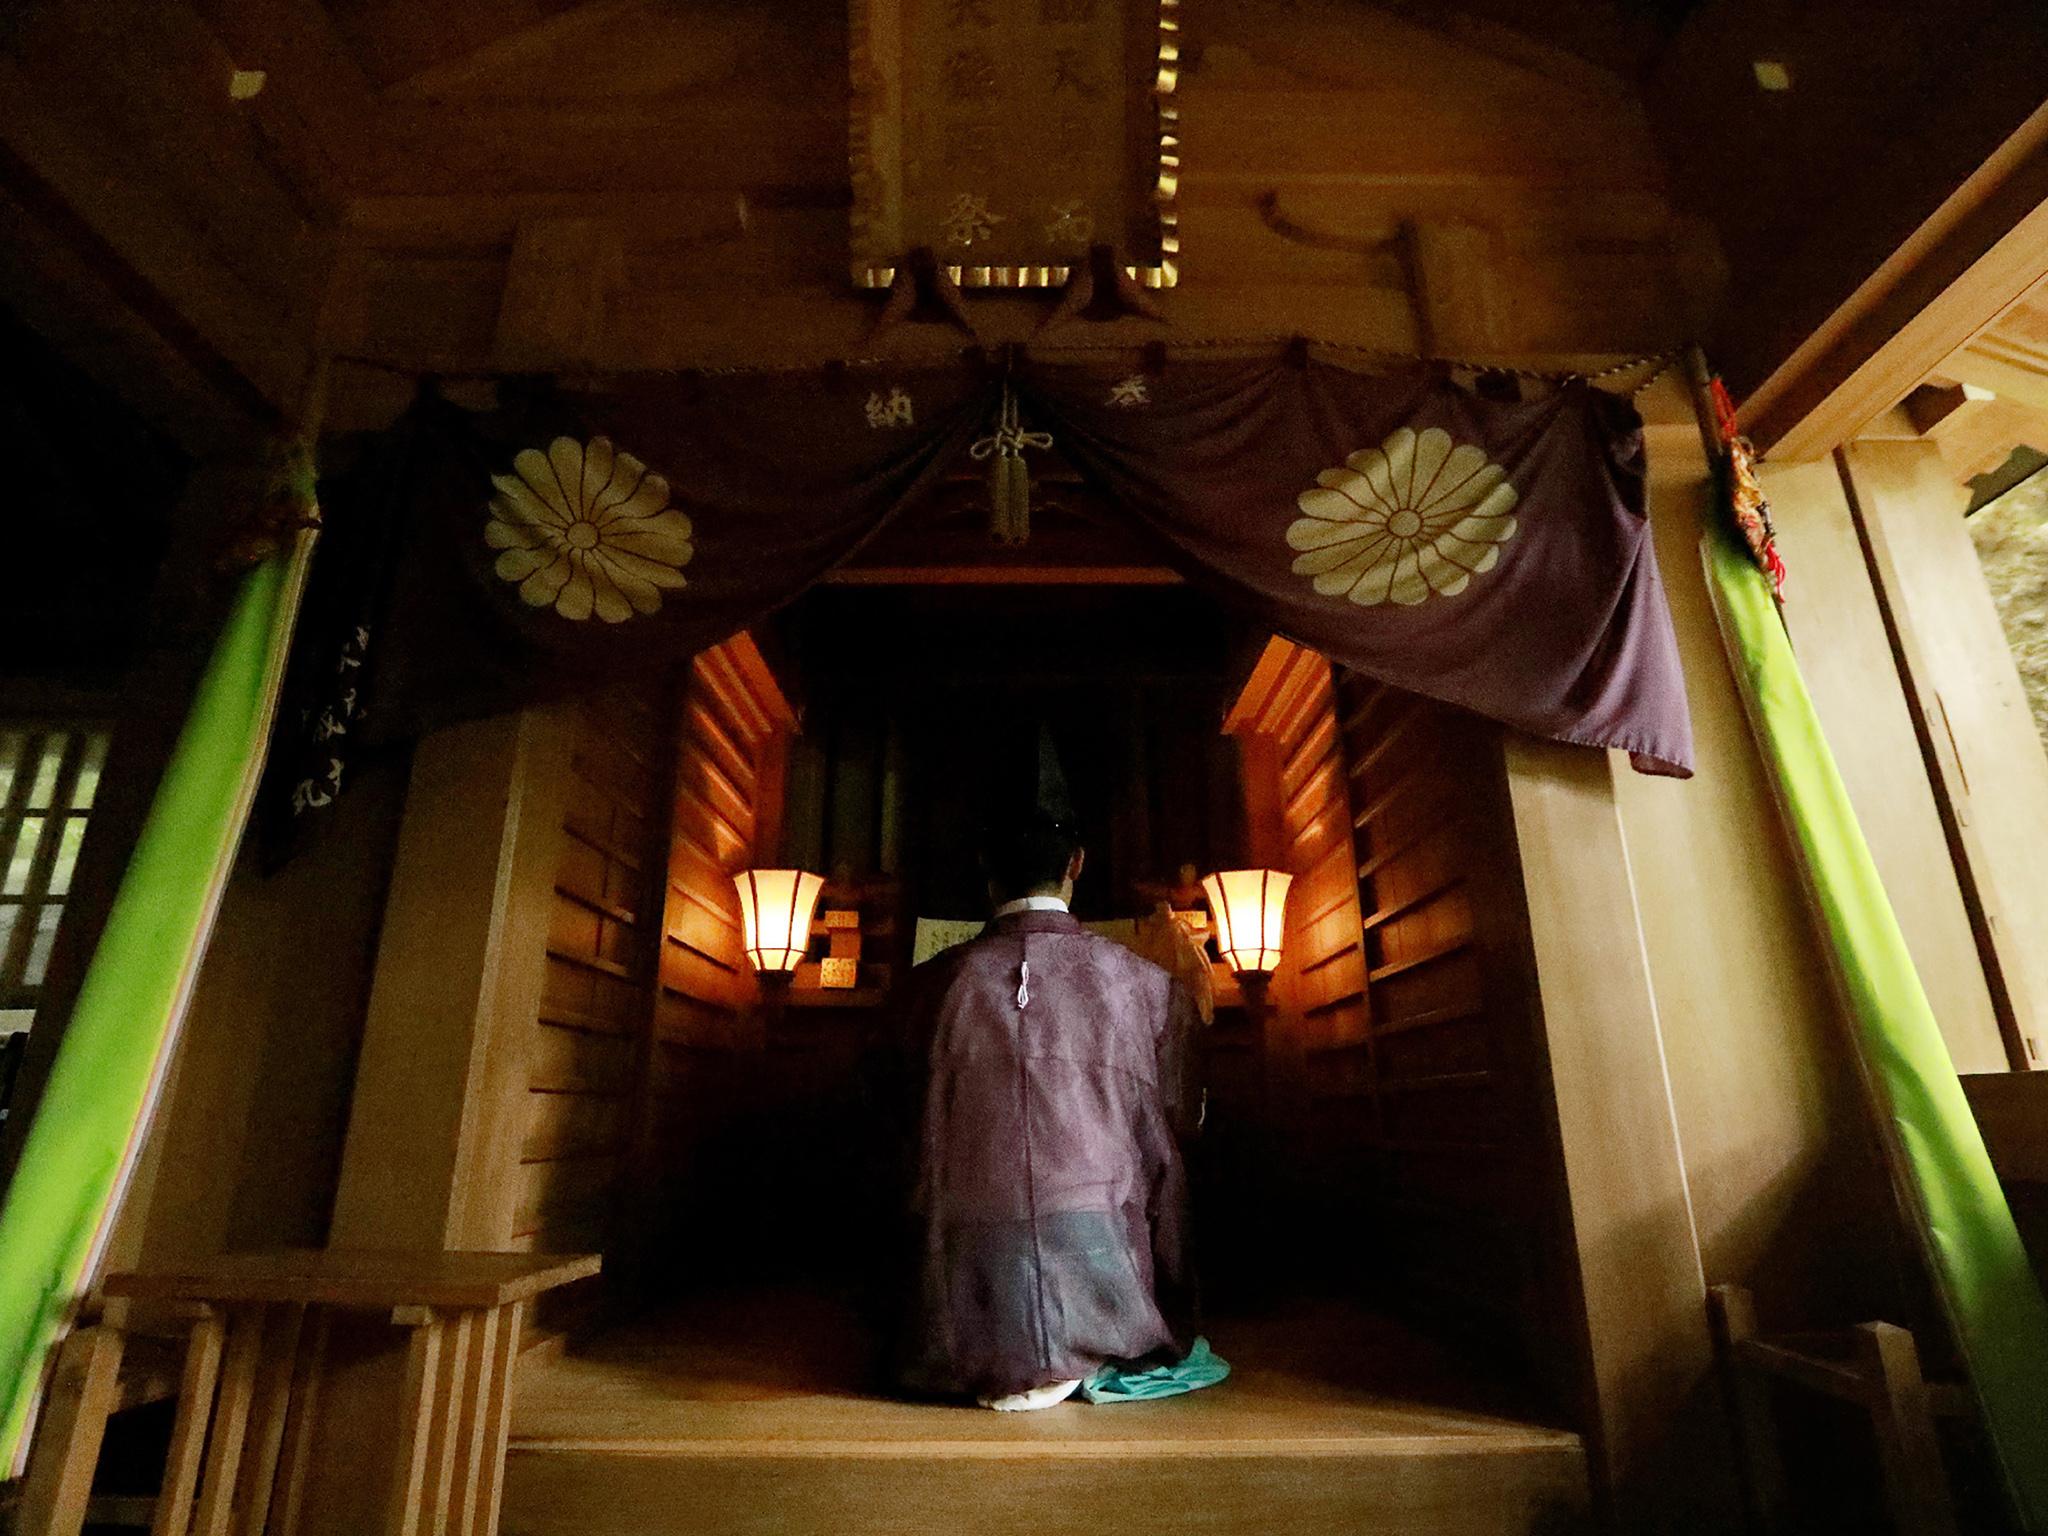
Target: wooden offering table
{"points": [[249, 1440]]}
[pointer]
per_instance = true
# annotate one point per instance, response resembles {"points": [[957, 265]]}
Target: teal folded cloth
{"points": [[1128, 1384]]}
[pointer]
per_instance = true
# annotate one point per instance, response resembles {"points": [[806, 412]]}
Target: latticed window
{"points": [[48, 779]]}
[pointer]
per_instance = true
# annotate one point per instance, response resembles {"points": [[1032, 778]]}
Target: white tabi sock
{"points": [[1037, 1397]]}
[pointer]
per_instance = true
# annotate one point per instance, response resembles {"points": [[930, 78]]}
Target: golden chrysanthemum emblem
{"points": [[586, 529], [1417, 516]]}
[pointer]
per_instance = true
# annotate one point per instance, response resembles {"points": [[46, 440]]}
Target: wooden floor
{"points": [[750, 1416]]}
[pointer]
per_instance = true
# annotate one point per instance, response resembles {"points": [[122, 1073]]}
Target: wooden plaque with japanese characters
{"points": [[1010, 136]]}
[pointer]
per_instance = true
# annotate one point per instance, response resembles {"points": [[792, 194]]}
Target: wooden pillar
{"points": [[1648, 1349], [83, 1391], [558, 286], [434, 1125], [1989, 770], [1838, 631], [1453, 273]]}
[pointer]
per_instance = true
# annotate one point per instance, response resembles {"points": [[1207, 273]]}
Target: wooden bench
{"points": [[1875, 1366], [2012, 1113], [249, 1389]]}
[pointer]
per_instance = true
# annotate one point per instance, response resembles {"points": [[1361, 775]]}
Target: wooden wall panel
{"points": [[1988, 769], [1845, 656], [1403, 1083], [727, 747], [1786, 1183], [1317, 1067], [647, 1012], [585, 1057], [1456, 1101], [248, 1137], [439, 1111]]}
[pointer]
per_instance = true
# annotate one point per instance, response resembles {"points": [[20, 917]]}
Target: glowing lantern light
{"points": [[776, 908], [1250, 909]]}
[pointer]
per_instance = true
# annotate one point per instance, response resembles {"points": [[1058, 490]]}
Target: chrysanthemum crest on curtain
{"points": [[1416, 517], [586, 529]]}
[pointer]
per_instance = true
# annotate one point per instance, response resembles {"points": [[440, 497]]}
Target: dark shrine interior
{"points": [[918, 702]]}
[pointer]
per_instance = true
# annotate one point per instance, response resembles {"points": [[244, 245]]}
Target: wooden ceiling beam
{"points": [[481, 62], [583, 99], [136, 94], [317, 106], [502, 166], [1399, 130], [1514, 44], [396, 39], [1976, 430], [628, 149], [158, 296], [459, 221], [123, 141], [443, 314], [558, 288], [64, 284], [2008, 370], [1934, 403], [1967, 263], [1367, 207]]}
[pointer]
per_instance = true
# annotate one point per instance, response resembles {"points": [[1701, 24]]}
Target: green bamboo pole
{"points": [[1948, 1187], [95, 1107]]}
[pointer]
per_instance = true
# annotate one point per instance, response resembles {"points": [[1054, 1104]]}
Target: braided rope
{"points": [[1657, 364]]}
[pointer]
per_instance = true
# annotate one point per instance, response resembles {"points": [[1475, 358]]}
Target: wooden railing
{"points": [[2012, 1113], [253, 1444]]}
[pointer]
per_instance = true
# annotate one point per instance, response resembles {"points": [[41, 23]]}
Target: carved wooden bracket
{"points": [[921, 290], [1102, 288], [1296, 231], [1445, 268], [558, 289]]}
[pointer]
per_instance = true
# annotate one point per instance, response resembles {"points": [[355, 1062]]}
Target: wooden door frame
{"points": [[1631, 1252]]}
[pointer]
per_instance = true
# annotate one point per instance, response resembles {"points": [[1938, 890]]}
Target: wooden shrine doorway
{"points": [[1382, 1222], [1378, 1122], [1393, 1140]]}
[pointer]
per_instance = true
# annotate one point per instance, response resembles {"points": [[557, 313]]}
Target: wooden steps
{"points": [[751, 1416]]}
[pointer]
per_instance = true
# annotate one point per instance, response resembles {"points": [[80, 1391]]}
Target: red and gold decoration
{"points": [[286, 504], [1745, 495], [840, 969], [1011, 137]]}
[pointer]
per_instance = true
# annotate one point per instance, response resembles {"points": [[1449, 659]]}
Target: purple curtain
{"points": [[477, 562], [1493, 554]]}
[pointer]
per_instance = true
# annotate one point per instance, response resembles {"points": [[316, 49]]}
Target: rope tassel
{"points": [[1009, 479]]}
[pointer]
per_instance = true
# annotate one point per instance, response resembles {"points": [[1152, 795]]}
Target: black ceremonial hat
{"points": [[1027, 782]]}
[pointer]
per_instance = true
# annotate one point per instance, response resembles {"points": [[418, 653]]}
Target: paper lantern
{"points": [[776, 908], [1249, 907]]}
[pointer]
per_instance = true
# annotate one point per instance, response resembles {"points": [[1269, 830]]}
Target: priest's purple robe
{"points": [[1050, 1201]]}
